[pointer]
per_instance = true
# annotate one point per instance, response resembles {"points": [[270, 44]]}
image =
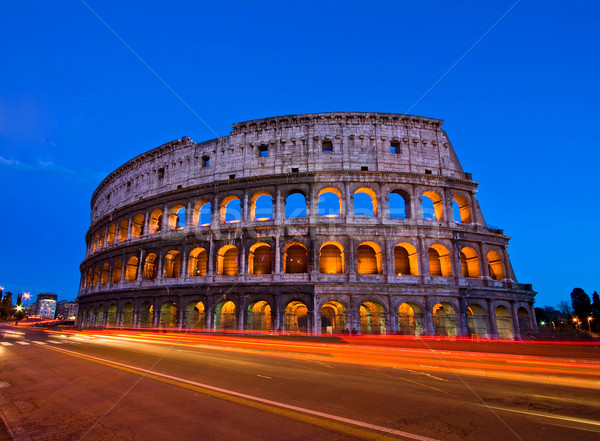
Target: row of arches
{"points": [[261, 208], [295, 260], [333, 318]]}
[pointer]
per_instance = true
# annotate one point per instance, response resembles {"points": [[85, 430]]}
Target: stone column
{"points": [[278, 213], [140, 274], [492, 325], [184, 263], [146, 224], [215, 217], [515, 321], [347, 201], [428, 316], [316, 316], [165, 219], [159, 271], [189, 216], [129, 227], [277, 256]]}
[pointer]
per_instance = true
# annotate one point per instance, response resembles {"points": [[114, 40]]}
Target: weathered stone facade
{"points": [[166, 247]]}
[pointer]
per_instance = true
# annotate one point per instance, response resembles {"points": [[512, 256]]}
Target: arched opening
{"points": [[225, 318], [122, 232], [100, 316], [202, 213], [406, 260], [461, 209], [259, 259], [117, 271], [111, 316], [433, 207], [168, 315], [88, 278], [368, 258], [197, 262], [150, 267], [330, 202], [102, 236], [410, 319], [227, 261], [259, 317], [261, 206], [137, 226], [172, 267], [524, 322], [127, 315], [177, 217], [231, 210], [146, 315], [295, 206], [95, 244], [399, 204], [112, 232], [296, 317], [333, 318], [439, 261], [295, 259], [476, 321], [495, 265], [469, 263], [89, 319], [503, 323], [365, 202], [131, 269], [95, 276], [195, 315], [155, 221], [105, 273], [331, 258], [444, 320], [372, 318]]}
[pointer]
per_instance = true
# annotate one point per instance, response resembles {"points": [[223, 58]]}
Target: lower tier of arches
{"points": [[314, 313]]}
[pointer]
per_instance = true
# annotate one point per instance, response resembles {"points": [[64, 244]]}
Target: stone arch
{"points": [[445, 321], [172, 264], [365, 196], [197, 262], [99, 322], [461, 205], [227, 261], [95, 243], [503, 322], [433, 206], [127, 315], [259, 258], [331, 258], [95, 275], [131, 269], [168, 315], [477, 321], [122, 231], [104, 275], [177, 215], [469, 263], [330, 202], [524, 320], [150, 266], [406, 260], [495, 265], [101, 238], [410, 319], [146, 315], [333, 317], [111, 316], [440, 262], [155, 221], [202, 213], [372, 318], [296, 317], [295, 205], [137, 226], [112, 234], [399, 204], [195, 315], [295, 258], [261, 206], [259, 316], [368, 258], [225, 315], [231, 209]]}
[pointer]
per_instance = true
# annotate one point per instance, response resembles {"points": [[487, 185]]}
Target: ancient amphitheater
{"points": [[322, 223]]}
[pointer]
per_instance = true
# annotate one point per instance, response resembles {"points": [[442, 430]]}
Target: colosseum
{"points": [[325, 223]]}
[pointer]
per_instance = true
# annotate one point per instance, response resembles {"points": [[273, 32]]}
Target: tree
{"points": [[596, 305], [582, 306], [6, 305], [565, 309]]}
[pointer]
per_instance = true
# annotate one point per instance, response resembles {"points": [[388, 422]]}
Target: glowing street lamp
{"points": [[590, 324]]}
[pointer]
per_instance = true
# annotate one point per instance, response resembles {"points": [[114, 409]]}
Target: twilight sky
{"points": [[520, 106]]}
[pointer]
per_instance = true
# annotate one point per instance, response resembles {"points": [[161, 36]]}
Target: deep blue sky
{"points": [[521, 108]]}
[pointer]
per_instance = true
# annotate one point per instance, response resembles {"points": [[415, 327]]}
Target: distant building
{"points": [[66, 310], [46, 305]]}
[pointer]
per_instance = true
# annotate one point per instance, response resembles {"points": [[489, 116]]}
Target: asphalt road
{"points": [[163, 387]]}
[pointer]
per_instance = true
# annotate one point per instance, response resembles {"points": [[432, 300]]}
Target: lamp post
{"points": [[590, 324]]}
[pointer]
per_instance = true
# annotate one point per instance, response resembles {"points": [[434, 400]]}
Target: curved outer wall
{"points": [[465, 286]]}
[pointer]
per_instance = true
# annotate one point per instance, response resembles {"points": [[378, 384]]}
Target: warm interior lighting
{"points": [[205, 225], [260, 219], [331, 215], [232, 221]]}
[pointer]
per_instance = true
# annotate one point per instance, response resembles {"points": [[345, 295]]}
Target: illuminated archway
{"points": [[105, 273], [102, 236], [406, 260], [331, 258], [259, 316], [177, 217], [372, 318], [95, 276], [365, 202], [150, 267], [503, 323], [123, 228], [439, 261], [155, 221], [227, 261], [433, 207], [469, 263], [295, 258], [172, 266], [295, 205], [231, 209], [168, 315], [259, 259], [399, 204], [261, 206], [99, 322], [146, 315], [461, 209], [195, 315], [495, 265], [131, 269], [137, 226], [225, 317], [368, 258], [197, 262], [202, 213], [333, 318], [410, 319], [444, 320], [330, 202], [476, 321], [296, 317], [127, 315], [111, 316], [112, 232]]}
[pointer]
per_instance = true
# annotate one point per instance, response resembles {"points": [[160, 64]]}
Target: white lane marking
{"points": [[23, 343], [5, 343], [56, 342], [256, 399], [545, 415], [263, 376], [40, 342]]}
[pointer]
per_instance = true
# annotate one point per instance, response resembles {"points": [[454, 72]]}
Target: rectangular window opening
{"points": [[231, 176], [161, 173], [205, 161], [327, 146], [364, 168], [263, 151], [295, 170], [428, 172], [395, 147]]}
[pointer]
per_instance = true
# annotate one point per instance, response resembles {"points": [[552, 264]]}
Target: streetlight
{"points": [[590, 324]]}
